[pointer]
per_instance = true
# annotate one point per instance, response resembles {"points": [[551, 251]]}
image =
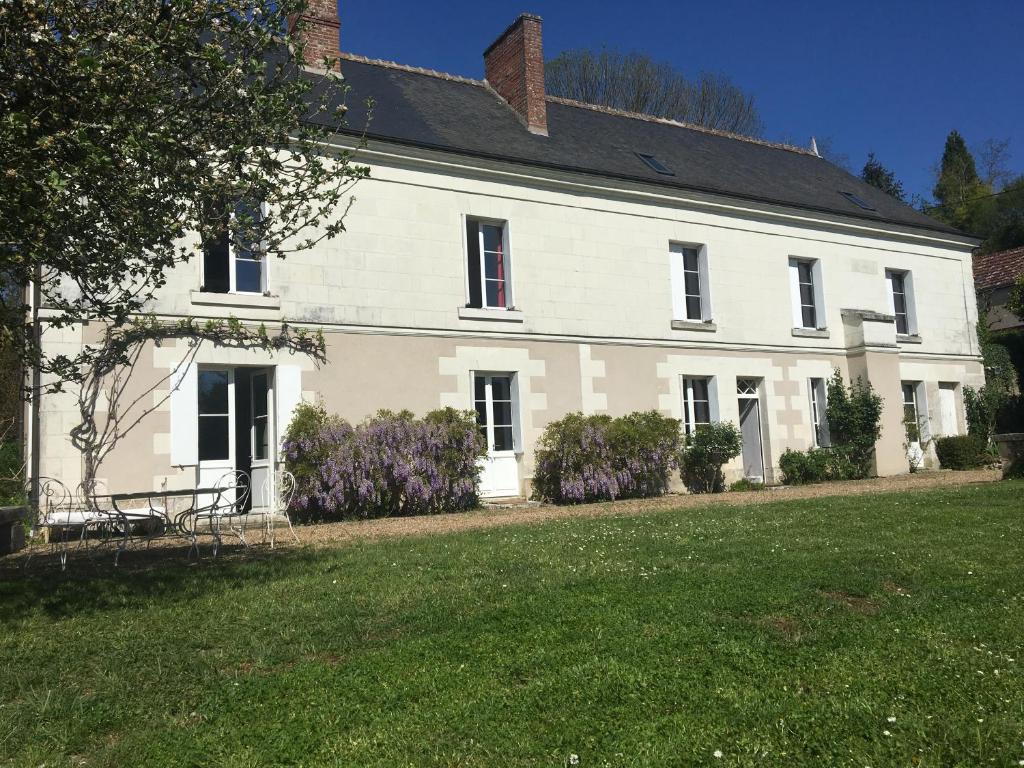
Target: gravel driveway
{"points": [[329, 534]]}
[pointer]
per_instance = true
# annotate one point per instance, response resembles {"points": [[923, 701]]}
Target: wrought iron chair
{"points": [[279, 491], [64, 517], [229, 506]]}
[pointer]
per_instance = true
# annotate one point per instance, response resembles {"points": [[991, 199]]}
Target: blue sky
{"points": [[893, 77]]}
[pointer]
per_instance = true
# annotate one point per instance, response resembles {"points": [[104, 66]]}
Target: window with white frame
{"points": [[495, 410], [214, 414], [689, 272], [807, 297], [234, 259], [489, 266], [819, 416], [911, 408], [697, 402], [901, 300]]}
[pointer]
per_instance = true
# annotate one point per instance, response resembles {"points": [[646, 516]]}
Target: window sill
{"points": [[694, 325], [908, 338], [493, 315], [811, 333], [247, 300]]}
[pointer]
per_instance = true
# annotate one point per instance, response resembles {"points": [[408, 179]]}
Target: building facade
{"points": [[528, 257]]}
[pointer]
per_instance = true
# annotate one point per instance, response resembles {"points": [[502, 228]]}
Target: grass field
{"points": [[868, 631]]}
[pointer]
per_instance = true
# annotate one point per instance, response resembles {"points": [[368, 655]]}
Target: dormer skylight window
{"points": [[860, 202], [655, 164]]}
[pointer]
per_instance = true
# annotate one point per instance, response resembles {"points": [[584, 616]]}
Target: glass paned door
{"points": [[216, 414], [494, 402], [260, 437]]}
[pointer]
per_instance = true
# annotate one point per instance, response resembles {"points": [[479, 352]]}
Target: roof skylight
{"points": [[655, 164], [858, 201]]}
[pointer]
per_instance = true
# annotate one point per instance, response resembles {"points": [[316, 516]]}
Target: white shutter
{"points": [[923, 416], [713, 412], [705, 285], [185, 416], [908, 293], [288, 394], [889, 291], [794, 290], [675, 261]]}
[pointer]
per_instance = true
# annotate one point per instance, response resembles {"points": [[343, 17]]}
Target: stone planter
{"points": [[12, 529], [1011, 447]]}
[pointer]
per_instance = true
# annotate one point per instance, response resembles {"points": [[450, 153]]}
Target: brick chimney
{"points": [[514, 67], [319, 27]]}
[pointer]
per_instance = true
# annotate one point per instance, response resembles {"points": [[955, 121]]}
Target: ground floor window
{"points": [[819, 419], [696, 402], [492, 398], [909, 402]]}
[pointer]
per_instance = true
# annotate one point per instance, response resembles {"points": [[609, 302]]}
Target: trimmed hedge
{"points": [[961, 452], [391, 464], [596, 458], [818, 465]]}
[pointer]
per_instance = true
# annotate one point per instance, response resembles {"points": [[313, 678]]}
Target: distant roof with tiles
{"points": [[993, 270]]}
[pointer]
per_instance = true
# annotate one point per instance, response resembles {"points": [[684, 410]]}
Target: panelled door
{"points": [[494, 401], [947, 409], [260, 437], [747, 391]]}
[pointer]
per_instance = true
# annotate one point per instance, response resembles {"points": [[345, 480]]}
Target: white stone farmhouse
{"points": [[528, 256]]}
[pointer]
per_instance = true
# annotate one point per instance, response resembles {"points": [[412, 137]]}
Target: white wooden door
{"points": [[216, 426], [261, 439], [947, 409], [494, 400], [750, 428]]}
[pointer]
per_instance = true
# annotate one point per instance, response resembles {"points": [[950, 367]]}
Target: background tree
{"points": [[877, 175], [958, 186], [128, 127], [636, 83]]}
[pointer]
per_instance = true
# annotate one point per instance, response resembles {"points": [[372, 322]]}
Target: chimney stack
{"points": [[320, 28], [514, 67]]}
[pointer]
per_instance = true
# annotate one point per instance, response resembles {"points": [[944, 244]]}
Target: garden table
{"points": [[176, 515]]}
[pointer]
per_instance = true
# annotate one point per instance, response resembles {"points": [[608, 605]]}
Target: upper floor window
{"points": [[808, 301], [901, 300], [234, 260], [689, 272], [489, 265]]}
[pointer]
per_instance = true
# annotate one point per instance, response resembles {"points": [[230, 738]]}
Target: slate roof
{"points": [[994, 270], [431, 110]]}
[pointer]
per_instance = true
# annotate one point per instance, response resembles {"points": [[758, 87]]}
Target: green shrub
{"points": [[746, 485], [961, 452], [706, 451], [854, 421], [12, 476], [817, 465]]}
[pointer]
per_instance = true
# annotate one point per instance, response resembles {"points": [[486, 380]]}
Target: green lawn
{"points": [[872, 631]]}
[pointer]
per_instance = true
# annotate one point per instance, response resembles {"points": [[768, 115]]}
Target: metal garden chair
{"points": [[64, 517], [228, 507], [279, 491]]}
